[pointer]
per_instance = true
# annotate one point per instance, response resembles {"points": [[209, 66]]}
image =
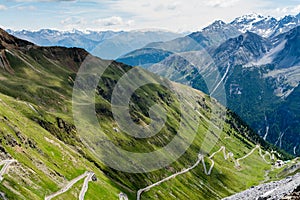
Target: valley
{"points": [[258, 68], [149, 114], [37, 131]]}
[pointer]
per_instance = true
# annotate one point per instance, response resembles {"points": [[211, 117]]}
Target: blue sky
{"points": [[174, 15]]}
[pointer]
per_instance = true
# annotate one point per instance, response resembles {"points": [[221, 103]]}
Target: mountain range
{"points": [[104, 44], [257, 59], [265, 26], [47, 157]]}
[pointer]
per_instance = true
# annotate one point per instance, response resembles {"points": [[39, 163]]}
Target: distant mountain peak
{"points": [[249, 18], [218, 24], [251, 34], [243, 49], [265, 26]]}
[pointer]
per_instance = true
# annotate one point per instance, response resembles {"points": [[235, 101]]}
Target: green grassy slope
{"points": [[37, 129]]}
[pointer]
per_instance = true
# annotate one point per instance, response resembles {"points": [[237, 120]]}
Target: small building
{"points": [[94, 178], [279, 163]]}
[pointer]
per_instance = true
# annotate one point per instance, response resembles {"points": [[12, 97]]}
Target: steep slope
{"points": [[268, 67], [289, 56], [39, 132], [215, 34], [260, 76], [193, 68], [241, 50], [269, 85], [145, 57]]}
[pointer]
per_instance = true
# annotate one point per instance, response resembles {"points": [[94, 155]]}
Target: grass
{"points": [[59, 156]]}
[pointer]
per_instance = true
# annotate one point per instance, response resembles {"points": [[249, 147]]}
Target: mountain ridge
{"points": [[37, 130], [269, 62], [114, 43]]}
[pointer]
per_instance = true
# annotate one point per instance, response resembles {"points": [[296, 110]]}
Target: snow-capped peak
{"points": [[218, 24], [250, 17]]}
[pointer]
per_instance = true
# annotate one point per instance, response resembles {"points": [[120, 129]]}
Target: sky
{"points": [[170, 15]]}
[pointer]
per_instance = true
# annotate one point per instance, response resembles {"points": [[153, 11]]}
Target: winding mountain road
{"points": [[6, 164], [123, 196], [201, 160], [71, 183], [85, 185], [200, 157]]}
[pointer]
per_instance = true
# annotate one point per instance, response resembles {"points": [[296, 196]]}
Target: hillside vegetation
{"points": [[38, 131]]}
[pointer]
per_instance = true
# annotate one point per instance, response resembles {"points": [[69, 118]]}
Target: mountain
{"points": [[241, 50], [270, 85], [75, 38], [45, 154], [150, 55], [208, 38], [290, 54], [105, 44], [211, 37], [192, 68], [265, 26], [125, 42], [260, 75], [215, 34]]}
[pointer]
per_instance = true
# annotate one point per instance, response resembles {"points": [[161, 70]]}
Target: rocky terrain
{"points": [[287, 188], [294, 195]]}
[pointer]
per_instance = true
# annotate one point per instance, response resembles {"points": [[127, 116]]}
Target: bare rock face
{"points": [[8, 41], [294, 195], [288, 188]]}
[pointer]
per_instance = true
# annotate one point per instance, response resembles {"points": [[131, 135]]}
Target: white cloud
{"points": [[168, 6], [282, 11], [182, 15], [289, 10], [3, 7], [42, 0], [73, 20], [81, 23], [175, 15], [113, 21], [221, 3], [296, 9], [30, 8]]}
